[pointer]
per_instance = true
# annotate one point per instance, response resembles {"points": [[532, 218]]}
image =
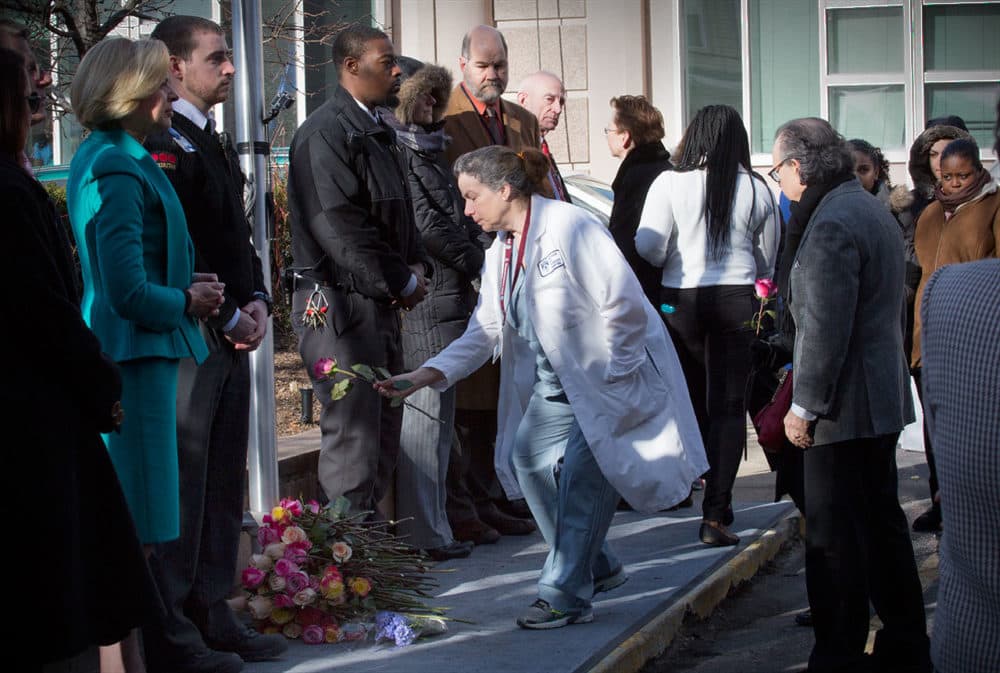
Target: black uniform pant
{"points": [[360, 432], [858, 551], [195, 573]]}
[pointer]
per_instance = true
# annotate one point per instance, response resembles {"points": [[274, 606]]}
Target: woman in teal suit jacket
{"points": [[138, 267]]}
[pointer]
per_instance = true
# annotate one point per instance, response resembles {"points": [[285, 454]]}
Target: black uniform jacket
{"points": [[207, 177], [351, 219]]}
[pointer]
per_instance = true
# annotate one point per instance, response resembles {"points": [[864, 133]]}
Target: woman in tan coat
{"points": [[962, 224]]}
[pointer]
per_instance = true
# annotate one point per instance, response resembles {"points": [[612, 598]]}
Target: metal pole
{"points": [[254, 151]]}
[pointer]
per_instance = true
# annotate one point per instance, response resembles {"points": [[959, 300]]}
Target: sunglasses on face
{"points": [[34, 101]]}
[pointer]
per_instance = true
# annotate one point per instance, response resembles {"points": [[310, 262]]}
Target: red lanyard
{"points": [[508, 254]]}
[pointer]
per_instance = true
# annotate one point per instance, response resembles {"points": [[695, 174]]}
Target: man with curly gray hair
{"points": [[851, 399]]}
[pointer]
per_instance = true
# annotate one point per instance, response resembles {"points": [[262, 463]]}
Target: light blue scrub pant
{"points": [[573, 516]]}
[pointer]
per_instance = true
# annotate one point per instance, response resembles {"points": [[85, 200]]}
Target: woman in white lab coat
{"points": [[588, 374]]}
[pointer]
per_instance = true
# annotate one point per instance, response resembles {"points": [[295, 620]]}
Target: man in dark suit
{"points": [[195, 572], [851, 399], [544, 95], [477, 116], [358, 253]]}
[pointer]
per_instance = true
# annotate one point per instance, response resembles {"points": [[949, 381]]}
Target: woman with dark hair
{"points": [[712, 225], [96, 588], [850, 400], [635, 135], [452, 246], [872, 169], [590, 406]]}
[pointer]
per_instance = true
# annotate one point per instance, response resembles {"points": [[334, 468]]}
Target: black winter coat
{"points": [[351, 217], [455, 252], [90, 580], [638, 170]]}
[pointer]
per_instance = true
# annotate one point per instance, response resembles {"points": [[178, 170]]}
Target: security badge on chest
{"points": [[550, 263]]}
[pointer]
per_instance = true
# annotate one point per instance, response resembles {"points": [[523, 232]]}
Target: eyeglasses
{"points": [[608, 131], [773, 173], [34, 101]]}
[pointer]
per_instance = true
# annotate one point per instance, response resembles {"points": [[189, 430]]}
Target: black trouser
{"points": [[194, 573], [928, 449], [712, 339], [360, 432], [472, 482], [858, 550]]}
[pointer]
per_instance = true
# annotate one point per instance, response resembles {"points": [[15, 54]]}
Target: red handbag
{"points": [[769, 422]]}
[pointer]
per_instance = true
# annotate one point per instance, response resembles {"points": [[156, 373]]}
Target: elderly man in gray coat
{"points": [[850, 400]]}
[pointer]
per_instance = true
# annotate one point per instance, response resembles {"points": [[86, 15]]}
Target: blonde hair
{"points": [[114, 77]]}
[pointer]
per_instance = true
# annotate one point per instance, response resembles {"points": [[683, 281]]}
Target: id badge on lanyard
{"points": [[508, 278]]}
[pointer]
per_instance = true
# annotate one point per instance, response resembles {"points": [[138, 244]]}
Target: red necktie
{"points": [[554, 176]]}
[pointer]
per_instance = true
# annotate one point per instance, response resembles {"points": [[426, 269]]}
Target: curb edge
{"points": [[653, 638]]}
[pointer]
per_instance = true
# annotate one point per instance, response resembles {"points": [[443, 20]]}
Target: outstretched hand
{"points": [[404, 385]]}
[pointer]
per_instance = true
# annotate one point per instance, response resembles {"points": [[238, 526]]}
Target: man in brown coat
{"points": [[477, 116]]}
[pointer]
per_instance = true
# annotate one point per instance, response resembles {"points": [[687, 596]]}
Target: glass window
{"points": [[321, 20], [875, 113], [865, 40], [784, 66], [713, 73], [962, 37], [974, 102]]}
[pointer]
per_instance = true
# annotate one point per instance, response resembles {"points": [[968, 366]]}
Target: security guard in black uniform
{"points": [[194, 573]]}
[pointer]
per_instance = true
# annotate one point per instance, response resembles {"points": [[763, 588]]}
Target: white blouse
{"points": [[673, 231]]}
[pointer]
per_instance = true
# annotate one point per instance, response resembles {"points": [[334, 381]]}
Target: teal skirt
{"points": [[144, 453]]}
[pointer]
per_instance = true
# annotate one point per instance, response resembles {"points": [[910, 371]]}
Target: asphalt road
{"points": [[754, 630]]}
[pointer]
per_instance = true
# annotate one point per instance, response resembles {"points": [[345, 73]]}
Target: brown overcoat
{"points": [[971, 234]]}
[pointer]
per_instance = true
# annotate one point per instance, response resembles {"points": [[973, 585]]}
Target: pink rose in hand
{"points": [[765, 288], [324, 367]]}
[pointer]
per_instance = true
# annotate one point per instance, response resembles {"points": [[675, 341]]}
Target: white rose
{"points": [[260, 607], [276, 582], [275, 550], [294, 534], [262, 562], [305, 597]]}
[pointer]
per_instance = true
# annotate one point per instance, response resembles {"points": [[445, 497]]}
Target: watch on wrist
{"points": [[266, 298]]}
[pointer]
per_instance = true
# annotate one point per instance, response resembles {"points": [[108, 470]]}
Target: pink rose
{"points": [[313, 506], [324, 367], [283, 567], [267, 535], [293, 506], [294, 535], [313, 635], [253, 577], [764, 288], [297, 581], [341, 552], [296, 553], [334, 572], [283, 600]]}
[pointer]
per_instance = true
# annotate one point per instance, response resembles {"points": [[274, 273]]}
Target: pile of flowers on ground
{"points": [[324, 576]]}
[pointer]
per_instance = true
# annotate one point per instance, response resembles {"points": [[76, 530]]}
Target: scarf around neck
{"points": [[429, 140], [951, 202]]}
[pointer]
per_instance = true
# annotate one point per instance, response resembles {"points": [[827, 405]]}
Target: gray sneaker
{"points": [[612, 581], [541, 615]]}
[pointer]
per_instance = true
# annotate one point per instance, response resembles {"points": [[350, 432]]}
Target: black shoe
{"points": [[515, 508], [203, 661], [504, 523], [253, 646], [716, 535], [928, 522], [804, 618], [450, 551], [475, 531]]}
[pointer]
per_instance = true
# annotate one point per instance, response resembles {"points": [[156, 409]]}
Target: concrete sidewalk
{"points": [[671, 574]]}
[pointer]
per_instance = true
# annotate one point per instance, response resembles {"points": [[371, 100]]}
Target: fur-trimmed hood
{"points": [[919, 165], [432, 79], [898, 199]]}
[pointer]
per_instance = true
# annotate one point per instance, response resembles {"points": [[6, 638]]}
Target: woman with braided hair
{"points": [[591, 407], [712, 225]]}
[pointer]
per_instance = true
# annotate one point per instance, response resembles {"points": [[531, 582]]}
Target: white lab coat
{"points": [[608, 347]]}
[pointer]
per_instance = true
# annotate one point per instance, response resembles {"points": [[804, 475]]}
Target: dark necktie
{"points": [[554, 177], [493, 125]]}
